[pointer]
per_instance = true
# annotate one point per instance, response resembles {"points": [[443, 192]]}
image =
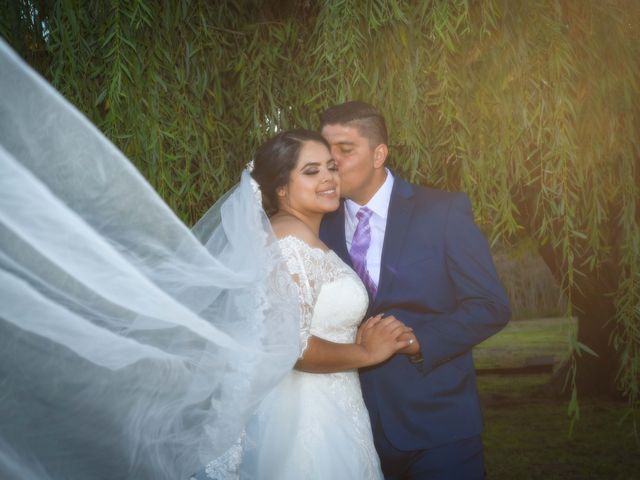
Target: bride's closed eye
{"points": [[331, 168]]}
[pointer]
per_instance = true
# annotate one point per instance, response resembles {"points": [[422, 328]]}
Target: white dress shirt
{"points": [[379, 205]]}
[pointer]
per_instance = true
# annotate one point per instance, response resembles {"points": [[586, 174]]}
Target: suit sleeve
{"points": [[481, 305]]}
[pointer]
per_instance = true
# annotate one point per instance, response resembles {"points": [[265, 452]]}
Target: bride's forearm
{"points": [[377, 339], [323, 356]]}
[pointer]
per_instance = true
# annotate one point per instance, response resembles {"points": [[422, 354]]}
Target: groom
{"points": [[425, 262]]}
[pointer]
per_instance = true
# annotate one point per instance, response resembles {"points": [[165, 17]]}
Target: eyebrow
{"points": [[310, 164]]}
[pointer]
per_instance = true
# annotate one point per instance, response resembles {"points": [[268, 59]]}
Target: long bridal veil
{"points": [[130, 346]]}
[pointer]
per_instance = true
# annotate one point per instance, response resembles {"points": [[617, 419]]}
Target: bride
{"points": [[315, 425], [133, 348]]}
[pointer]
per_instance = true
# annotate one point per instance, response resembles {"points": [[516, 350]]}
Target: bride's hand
{"points": [[371, 321], [381, 337]]}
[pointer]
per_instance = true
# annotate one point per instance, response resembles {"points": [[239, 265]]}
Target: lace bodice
{"points": [[315, 426], [332, 297]]}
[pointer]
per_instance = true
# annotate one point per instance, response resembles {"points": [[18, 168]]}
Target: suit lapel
{"points": [[398, 219]]}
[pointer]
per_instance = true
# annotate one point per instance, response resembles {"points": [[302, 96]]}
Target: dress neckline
{"points": [[309, 247]]}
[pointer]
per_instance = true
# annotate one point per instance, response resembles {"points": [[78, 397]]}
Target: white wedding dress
{"points": [[312, 426]]}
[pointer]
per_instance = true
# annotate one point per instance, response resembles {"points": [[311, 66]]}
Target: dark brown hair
{"points": [[366, 118], [274, 161]]}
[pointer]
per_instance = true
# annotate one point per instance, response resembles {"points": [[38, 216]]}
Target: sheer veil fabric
{"points": [[130, 346]]}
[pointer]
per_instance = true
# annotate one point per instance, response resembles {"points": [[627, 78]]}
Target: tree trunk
{"points": [[594, 375], [593, 305]]}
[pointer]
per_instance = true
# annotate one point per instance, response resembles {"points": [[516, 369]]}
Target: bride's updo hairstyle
{"points": [[275, 159]]}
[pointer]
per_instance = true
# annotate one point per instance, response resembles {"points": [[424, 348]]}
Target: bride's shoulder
{"points": [[288, 229]]}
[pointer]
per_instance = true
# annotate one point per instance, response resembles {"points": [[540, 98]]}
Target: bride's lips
{"points": [[330, 192]]}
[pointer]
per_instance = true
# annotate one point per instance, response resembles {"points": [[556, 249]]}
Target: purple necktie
{"points": [[359, 247]]}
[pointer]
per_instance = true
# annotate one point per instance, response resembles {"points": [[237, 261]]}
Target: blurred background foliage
{"points": [[530, 106]]}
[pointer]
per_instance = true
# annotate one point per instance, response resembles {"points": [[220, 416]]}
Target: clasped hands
{"points": [[382, 337]]}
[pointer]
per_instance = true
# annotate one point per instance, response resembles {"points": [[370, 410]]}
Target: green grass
{"points": [[527, 429], [523, 339]]}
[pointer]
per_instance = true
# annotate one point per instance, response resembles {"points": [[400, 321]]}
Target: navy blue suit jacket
{"points": [[437, 276]]}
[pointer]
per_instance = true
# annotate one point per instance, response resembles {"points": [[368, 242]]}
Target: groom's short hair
{"points": [[366, 118]]}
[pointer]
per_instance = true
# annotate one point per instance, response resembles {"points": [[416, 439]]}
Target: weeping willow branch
{"points": [[532, 107]]}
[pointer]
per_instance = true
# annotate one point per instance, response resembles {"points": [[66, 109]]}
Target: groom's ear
{"points": [[380, 155]]}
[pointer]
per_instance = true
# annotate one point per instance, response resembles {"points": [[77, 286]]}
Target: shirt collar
{"points": [[379, 203]]}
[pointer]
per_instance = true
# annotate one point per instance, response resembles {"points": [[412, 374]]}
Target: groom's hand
{"points": [[379, 338], [413, 349]]}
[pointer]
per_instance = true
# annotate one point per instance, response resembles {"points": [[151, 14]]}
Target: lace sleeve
{"points": [[304, 265]]}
